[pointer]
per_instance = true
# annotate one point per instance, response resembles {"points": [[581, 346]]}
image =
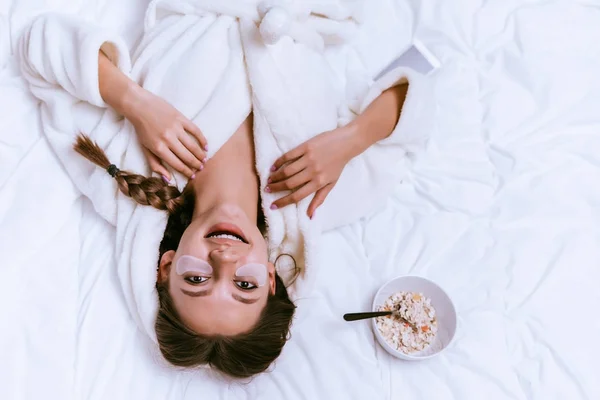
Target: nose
{"points": [[225, 253]]}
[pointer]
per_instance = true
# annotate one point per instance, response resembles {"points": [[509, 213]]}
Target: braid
{"points": [[147, 191]]}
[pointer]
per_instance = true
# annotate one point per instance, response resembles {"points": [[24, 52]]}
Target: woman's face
{"points": [[219, 277]]}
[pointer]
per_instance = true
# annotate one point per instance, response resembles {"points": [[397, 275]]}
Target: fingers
{"points": [[295, 197], [156, 165], [287, 157], [319, 198], [292, 183], [170, 158], [186, 156], [288, 171], [193, 147], [190, 127]]}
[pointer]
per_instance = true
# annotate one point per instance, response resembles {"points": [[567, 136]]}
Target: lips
{"points": [[226, 229]]}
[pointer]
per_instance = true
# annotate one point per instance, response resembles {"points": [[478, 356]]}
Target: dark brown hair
{"points": [[239, 356], [147, 191]]}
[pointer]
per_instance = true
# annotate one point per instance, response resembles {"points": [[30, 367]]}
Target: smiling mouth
{"points": [[226, 231]]}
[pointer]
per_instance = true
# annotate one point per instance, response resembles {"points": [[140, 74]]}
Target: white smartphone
{"points": [[416, 57]]}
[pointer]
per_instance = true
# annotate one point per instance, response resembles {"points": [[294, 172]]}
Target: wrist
{"points": [[378, 121], [116, 89], [131, 100], [355, 137]]}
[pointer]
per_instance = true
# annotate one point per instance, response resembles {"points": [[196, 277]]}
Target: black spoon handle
{"points": [[365, 315]]}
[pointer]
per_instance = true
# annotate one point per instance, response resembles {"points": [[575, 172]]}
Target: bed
{"points": [[501, 210]]}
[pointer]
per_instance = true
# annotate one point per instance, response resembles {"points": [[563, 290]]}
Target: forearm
{"points": [[378, 121], [116, 89]]}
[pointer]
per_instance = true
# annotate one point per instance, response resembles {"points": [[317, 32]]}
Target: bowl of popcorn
{"points": [[423, 322]]}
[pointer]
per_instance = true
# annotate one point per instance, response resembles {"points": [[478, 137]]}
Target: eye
{"points": [[195, 280], [245, 285]]}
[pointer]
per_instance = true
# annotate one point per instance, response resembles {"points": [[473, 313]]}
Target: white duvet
{"points": [[501, 211]]}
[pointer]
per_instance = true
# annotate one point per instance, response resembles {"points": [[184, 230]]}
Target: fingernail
{"points": [[201, 167], [273, 207], [273, 168], [193, 176], [164, 178], [205, 159], [206, 148], [268, 189], [269, 180]]}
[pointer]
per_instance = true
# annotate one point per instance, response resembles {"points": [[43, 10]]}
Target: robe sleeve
{"points": [[369, 179], [58, 50], [58, 57]]}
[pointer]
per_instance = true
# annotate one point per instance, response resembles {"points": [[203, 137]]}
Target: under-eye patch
{"points": [[187, 264], [254, 270]]}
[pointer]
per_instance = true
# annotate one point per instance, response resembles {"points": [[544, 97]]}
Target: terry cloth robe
{"points": [[299, 66]]}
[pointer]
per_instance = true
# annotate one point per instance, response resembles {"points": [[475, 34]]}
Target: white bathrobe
{"points": [[296, 65]]}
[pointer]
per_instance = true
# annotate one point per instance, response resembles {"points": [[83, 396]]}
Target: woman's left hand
{"points": [[313, 167], [316, 165]]}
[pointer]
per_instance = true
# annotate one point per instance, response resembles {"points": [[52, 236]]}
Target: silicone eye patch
{"points": [[192, 264], [257, 271]]}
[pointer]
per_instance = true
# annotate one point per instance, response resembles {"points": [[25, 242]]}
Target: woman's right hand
{"points": [[166, 135]]}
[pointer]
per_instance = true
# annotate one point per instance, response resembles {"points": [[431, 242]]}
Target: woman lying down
{"points": [[245, 114]]}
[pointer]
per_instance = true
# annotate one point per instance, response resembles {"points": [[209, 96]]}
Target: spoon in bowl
{"points": [[373, 314]]}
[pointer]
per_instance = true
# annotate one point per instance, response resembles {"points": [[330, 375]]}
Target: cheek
{"points": [[259, 250], [191, 237], [187, 243]]}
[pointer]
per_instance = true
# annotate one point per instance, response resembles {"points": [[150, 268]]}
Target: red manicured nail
{"points": [[273, 207]]}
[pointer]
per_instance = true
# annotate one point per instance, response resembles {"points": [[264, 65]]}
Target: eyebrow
{"points": [[202, 293], [244, 300], [196, 294]]}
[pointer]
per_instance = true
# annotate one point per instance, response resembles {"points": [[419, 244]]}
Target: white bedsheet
{"points": [[502, 211]]}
